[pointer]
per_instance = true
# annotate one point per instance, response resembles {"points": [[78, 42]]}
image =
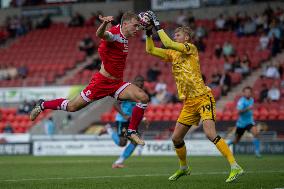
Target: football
{"points": [[145, 22]]}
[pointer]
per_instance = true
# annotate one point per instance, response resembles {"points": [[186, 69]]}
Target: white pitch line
{"points": [[130, 176]]}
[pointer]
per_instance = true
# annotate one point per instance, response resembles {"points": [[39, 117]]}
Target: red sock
{"points": [[137, 116], [57, 104]]}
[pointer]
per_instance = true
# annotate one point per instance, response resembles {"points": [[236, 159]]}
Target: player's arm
{"points": [[117, 107], [241, 108], [170, 44], [167, 42], [151, 49], [101, 31]]}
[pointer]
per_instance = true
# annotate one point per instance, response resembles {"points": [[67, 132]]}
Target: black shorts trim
{"points": [[241, 131], [212, 111], [184, 124], [121, 127]]}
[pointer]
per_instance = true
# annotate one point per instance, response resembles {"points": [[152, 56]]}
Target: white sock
{"points": [[183, 167], [234, 166], [120, 160]]}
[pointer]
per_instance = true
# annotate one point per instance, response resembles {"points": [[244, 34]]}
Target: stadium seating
{"points": [[47, 54], [20, 122]]}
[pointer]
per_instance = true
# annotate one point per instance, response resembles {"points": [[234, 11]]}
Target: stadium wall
{"points": [[92, 145]]}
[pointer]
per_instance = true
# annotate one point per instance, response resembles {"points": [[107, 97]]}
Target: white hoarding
{"points": [[174, 4], [152, 147], [19, 94]]}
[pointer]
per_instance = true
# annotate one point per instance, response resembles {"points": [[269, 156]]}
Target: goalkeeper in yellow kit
{"points": [[198, 100]]}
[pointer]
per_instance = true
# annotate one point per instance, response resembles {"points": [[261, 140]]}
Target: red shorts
{"points": [[101, 86]]}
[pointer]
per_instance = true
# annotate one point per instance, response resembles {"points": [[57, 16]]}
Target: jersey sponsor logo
{"points": [[187, 46]]}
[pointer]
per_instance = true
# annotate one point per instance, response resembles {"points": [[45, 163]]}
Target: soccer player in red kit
{"points": [[113, 51]]}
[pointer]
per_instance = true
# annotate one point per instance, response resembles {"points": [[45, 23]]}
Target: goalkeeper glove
{"points": [[154, 19]]}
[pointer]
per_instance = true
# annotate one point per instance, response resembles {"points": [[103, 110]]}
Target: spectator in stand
{"points": [[274, 93], [225, 82], [227, 65], [87, 45], [259, 21], [13, 26], [272, 71], [240, 31], [22, 71], [45, 22], [153, 72], [3, 72], [200, 44], [190, 19], [230, 23], [275, 46], [66, 121], [201, 32], [263, 95], [181, 19], [162, 96], [215, 81], [274, 35], [8, 128], [77, 20], [94, 19], [245, 65], [280, 69], [263, 41], [249, 27], [274, 30], [12, 72], [228, 49], [220, 23], [25, 107], [218, 51], [49, 126], [237, 65]]}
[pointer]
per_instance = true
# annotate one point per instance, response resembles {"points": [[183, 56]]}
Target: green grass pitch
{"points": [[28, 172]]}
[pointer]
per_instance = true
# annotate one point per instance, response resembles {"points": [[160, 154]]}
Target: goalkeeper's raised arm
{"points": [[182, 38]]}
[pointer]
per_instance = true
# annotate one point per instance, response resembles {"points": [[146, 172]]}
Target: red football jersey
{"points": [[113, 51]]}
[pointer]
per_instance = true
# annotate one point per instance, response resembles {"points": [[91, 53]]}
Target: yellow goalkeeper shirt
{"points": [[185, 65]]}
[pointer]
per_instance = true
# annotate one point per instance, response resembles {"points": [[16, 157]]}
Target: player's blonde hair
{"points": [[186, 30], [127, 16]]}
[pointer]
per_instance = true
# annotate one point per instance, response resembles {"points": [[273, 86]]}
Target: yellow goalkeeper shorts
{"points": [[194, 109]]}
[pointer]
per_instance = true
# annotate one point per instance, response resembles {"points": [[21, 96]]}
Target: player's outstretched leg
{"points": [[209, 129], [256, 141], [125, 155], [37, 109], [184, 169], [178, 136], [58, 104], [256, 144], [134, 93]]}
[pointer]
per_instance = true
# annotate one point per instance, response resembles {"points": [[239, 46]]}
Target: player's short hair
{"points": [[127, 16], [247, 87], [139, 78], [185, 29]]}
